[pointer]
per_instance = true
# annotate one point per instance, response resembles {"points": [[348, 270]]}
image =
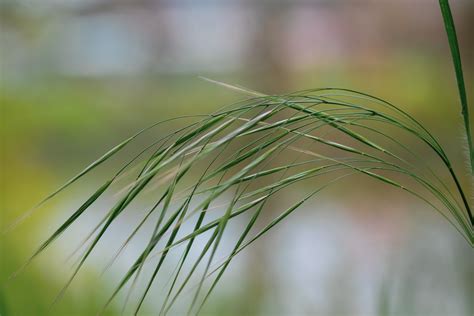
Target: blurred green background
{"points": [[77, 77]]}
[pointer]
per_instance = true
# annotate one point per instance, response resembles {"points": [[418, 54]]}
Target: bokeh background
{"points": [[78, 76]]}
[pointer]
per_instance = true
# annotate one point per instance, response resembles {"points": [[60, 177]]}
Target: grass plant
{"points": [[240, 152]]}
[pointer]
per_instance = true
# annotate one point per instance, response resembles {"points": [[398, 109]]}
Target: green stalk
{"points": [[456, 56]]}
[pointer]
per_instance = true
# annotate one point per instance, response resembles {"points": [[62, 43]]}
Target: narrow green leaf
{"points": [[456, 57]]}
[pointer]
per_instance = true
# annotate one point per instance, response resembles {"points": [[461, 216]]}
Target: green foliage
{"points": [[332, 132], [239, 152]]}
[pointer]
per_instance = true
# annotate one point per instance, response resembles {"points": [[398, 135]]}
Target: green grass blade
{"points": [[456, 57]]}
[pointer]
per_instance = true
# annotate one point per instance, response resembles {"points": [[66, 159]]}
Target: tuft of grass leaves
{"points": [[249, 153], [241, 152]]}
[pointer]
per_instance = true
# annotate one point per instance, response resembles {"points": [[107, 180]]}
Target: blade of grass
{"points": [[456, 57]]}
